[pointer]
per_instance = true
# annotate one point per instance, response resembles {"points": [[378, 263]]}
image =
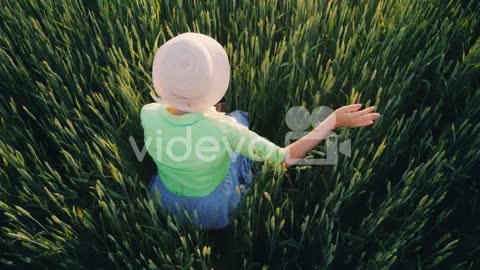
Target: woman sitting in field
{"points": [[204, 156]]}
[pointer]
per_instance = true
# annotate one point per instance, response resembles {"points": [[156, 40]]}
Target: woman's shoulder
{"points": [[150, 112], [152, 107]]}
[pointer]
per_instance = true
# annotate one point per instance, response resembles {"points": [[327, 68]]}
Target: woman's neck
{"points": [[172, 110]]}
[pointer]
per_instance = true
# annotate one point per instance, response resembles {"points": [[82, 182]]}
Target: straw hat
{"points": [[191, 72]]}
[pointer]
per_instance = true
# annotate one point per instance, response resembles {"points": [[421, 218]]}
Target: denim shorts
{"points": [[213, 211]]}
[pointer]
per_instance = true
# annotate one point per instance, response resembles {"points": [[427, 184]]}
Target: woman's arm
{"points": [[346, 116]]}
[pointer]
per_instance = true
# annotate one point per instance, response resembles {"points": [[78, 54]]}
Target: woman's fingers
{"points": [[363, 123], [365, 120], [354, 118], [370, 116], [364, 111], [352, 107]]}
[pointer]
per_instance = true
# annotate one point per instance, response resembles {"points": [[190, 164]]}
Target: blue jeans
{"points": [[214, 210]]}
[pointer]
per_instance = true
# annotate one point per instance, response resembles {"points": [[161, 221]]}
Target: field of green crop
{"points": [[74, 75]]}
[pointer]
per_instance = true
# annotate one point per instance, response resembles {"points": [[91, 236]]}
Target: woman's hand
{"points": [[350, 116], [346, 116]]}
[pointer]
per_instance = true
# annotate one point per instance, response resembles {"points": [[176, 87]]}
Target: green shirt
{"points": [[192, 151]]}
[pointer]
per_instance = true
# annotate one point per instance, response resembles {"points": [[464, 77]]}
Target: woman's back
{"points": [[192, 151]]}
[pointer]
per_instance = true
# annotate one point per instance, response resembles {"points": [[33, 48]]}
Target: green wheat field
{"points": [[75, 74]]}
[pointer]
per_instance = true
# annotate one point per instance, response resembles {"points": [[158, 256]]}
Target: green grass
{"points": [[74, 75]]}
